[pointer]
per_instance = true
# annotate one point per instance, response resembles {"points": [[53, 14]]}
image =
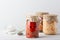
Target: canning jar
{"points": [[49, 24], [40, 19], [31, 27]]}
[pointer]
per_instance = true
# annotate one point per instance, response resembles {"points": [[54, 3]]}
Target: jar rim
{"points": [[51, 15]]}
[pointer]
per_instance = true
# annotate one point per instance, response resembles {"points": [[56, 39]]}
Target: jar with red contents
{"points": [[31, 27]]}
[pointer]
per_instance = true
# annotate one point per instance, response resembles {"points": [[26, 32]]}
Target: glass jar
{"points": [[40, 19], [31, 27], [49, 24]]}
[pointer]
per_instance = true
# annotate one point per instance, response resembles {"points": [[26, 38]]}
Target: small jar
{"points": [[49, 24], [31, 27], [40, 20]]}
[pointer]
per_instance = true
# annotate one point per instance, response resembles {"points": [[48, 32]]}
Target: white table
{"points": [[4, 36]]}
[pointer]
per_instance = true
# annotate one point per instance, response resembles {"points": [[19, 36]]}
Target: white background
{"points": [[13, 12]]}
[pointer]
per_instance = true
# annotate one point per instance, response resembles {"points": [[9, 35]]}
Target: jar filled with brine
{"points": [[40, 20], [31, 27], [49, 24]]}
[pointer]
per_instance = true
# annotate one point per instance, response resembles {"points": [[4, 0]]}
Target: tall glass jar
{"points": [[49, 24], [40, 19], [31, 27]]}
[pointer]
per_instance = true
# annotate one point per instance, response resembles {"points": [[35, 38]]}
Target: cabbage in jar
{"points": [[49, 24]]}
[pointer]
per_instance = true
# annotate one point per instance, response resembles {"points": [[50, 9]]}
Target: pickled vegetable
{"points": [[49, 24], [31, 28]]}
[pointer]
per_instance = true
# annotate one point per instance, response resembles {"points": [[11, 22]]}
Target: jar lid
{"points": [[41, 13], [32, 18], [51, 15]]}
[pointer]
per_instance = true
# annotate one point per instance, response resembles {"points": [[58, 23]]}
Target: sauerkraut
{"points": [[49, 24]]}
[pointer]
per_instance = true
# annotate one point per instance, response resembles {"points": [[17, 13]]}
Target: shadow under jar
{"points": [[40, 20], [49, 24], [31, 27]]}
